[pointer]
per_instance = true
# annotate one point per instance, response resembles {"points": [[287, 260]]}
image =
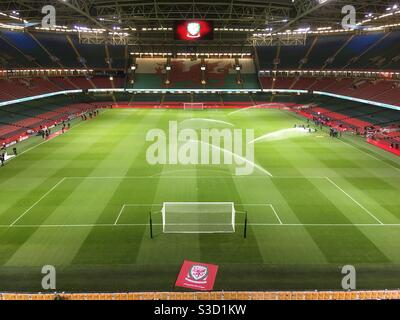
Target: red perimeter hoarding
{"points": [[193, 30]]}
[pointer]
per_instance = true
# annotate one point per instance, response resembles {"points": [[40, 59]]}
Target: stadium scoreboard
{"points": [[193, 30]]}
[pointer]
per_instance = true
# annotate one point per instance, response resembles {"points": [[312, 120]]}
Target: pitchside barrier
{"points": [[201, 91], [284, 295]]}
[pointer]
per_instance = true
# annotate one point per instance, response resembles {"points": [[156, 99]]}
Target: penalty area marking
{"points": [[31, 207], [156, 224], [13, 224], [276, 214], [158, 205], [133, 205], [355, 201], [262, 204]]}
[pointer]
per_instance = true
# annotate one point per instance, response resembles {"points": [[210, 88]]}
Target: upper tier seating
{"points": [[384, 55], [324, 48], [385, 91], [93, 56], [59, 48], [27, 44], [11, 57], [356, 46], [53, 50], [117, 56], [291, 56], [369, 51]]}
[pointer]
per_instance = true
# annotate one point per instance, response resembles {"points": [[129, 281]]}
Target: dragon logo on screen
{"points": [[197, 274], [193, 30]]}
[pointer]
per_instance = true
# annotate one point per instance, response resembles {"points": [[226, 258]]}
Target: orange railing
{"points": [[285, 295]]}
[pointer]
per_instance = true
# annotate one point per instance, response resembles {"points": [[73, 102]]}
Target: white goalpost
{"points": [[198, 217], [193, 106]]}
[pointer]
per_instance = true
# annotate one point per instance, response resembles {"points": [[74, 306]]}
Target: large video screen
{"points": [[194, 30]]}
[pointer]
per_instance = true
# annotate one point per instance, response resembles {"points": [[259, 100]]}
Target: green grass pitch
{"points": [[81, 202]]}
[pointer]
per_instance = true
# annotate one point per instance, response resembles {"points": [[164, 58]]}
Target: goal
{"points": [[198, 217], [193, 106]]}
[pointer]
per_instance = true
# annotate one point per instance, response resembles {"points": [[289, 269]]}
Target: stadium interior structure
{"points": [[279, 54]]}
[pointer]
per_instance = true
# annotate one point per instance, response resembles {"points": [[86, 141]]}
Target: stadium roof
{"points": [[256, 14]]}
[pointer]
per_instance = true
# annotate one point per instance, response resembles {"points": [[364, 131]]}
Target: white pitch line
{"points": [[143, 205], [193, 177], [120, 213], [262, 204], [134, 205], [39, 144], [29, 149], [355, 201], [44, 196], [154, 205], [241, 224], [321, 225], [276, 214]]}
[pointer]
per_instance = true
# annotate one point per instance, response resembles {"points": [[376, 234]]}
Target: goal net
{"points": [[193, 106], [198, 217]]}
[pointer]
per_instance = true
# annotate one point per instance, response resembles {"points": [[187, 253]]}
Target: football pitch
{"points": [[81, 202]]}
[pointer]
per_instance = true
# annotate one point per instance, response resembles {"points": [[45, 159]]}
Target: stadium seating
{"points": [[383, 55], [54, 50], [186, 74], [118, 57], [266, 57], [355, 47], [371, 51], [27, 87], [25, 43], [103, 82], [325, 48], [35, 50], [92, 56], [11, 57], [291, 56], [351, 115], [64, 83], [58, 46], [385, 91], [17, 119], [302, 83]]}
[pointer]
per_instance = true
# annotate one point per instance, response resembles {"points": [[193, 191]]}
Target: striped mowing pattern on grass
{"points": [[325, 205]]}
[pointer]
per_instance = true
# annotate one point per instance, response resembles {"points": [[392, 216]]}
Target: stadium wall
{"points": [[204, 91]]}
